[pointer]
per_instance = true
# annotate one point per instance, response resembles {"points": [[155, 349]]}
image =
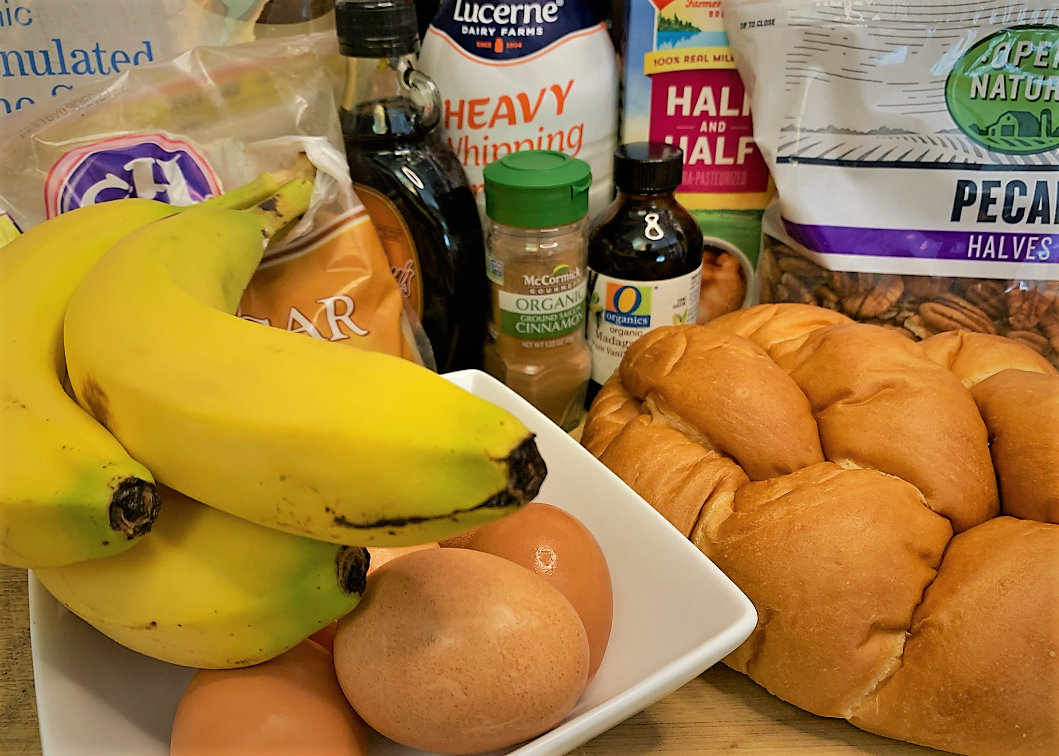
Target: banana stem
{"points": [[261, 188], [283, 207]]}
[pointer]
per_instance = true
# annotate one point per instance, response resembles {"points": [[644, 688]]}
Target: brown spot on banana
{"points": [[95, 400]]}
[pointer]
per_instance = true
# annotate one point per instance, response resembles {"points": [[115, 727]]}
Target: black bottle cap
{"points": [[648, 167], [376, 28]]}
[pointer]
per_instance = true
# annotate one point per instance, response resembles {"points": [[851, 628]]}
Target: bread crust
{"points": [[1021, 411], [779, 329], [973, 357], [980, 673], [725, 392], [853, 551], [664, 466], [613, 408], [882, 405]]}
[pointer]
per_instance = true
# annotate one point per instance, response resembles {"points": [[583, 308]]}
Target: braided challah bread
{"points": [[846, 479]]}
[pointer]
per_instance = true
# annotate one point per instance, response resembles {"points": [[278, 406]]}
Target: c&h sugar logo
{"points": [[628, 306], [1003, 93], [147, 166]]}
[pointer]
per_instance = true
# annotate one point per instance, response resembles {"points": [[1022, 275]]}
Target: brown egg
{"points": [[555, 545], [325, 636], [459, 540], [461, 652], [291, 705], [379, 556]]}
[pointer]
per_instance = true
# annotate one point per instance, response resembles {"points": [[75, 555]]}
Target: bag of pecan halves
{"points": [[915, 148]]}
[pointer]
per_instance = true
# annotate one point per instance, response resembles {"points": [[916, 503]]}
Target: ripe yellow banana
{"points": [[213, 591], [68, 490], [306, 436]]}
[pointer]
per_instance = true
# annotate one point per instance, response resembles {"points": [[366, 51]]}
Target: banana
{"points": [[212, 591], [309, 437], [68, 490]]}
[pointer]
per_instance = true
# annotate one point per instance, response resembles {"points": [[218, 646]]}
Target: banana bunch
{"points": [[305, 451]]}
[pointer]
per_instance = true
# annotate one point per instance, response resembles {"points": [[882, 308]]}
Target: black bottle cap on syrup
{"points": [[648, 167], [376, 28]]}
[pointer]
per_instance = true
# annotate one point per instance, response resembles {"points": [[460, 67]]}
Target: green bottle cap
{"points": [[537, 189]]}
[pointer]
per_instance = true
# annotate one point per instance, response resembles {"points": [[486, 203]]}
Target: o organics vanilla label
{"points": [[525, 76]]}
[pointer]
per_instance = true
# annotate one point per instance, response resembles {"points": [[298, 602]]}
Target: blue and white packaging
{"points": [[514, 76]]}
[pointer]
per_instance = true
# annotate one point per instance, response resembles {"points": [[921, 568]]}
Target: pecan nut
{"points": [[898, 330], [952, 313], [926, 287], [873, 302], [918, 327], [1050, 327], [988, 296], [791, 289], [1032, 339], [829, 299], [1028, 304]]}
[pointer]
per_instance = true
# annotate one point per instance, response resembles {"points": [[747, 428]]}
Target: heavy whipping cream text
{"points": [[525, 76], [482, 114]]}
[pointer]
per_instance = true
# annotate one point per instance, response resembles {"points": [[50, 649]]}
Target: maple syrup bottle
{"points": [[411, 183]]}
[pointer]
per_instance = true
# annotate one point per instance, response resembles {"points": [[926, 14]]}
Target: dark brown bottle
{"points": [[644, 257], [411, 183]]}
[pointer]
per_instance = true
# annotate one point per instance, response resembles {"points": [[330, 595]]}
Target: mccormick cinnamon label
{"points": [[682, 87]]}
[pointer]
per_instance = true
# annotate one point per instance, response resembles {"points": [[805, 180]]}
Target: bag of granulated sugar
{"points": [[915, 148], [538, 75], [49, 47]]}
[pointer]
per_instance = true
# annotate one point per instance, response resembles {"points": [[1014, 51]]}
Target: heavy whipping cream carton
{"points": [[681, 86], [537, 75]]}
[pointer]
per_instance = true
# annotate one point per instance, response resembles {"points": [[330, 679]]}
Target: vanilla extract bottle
{"points": [[410, 182], [644, 257]]}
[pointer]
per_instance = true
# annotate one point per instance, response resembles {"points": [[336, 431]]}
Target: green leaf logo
{"points": [[559, 269], [1003, 93]]}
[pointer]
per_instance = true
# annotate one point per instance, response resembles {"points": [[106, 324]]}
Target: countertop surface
{"points": [[719, 712]]}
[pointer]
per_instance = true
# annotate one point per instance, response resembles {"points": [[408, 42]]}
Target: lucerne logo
{"points": [[150, 167]]}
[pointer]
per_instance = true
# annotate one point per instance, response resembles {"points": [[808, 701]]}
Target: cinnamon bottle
{"points": [[537, 201]]}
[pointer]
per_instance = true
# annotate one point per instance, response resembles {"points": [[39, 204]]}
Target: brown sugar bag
{"points": [[333, 284]]}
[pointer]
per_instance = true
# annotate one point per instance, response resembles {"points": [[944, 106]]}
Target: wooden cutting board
{"points": [[720, 712]]}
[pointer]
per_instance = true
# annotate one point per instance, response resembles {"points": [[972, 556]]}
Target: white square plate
{"points": [[675, 615]]}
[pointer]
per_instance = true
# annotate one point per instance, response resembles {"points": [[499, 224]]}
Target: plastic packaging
{"points": [[208, 120], [915, 148], [50, 47]]}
